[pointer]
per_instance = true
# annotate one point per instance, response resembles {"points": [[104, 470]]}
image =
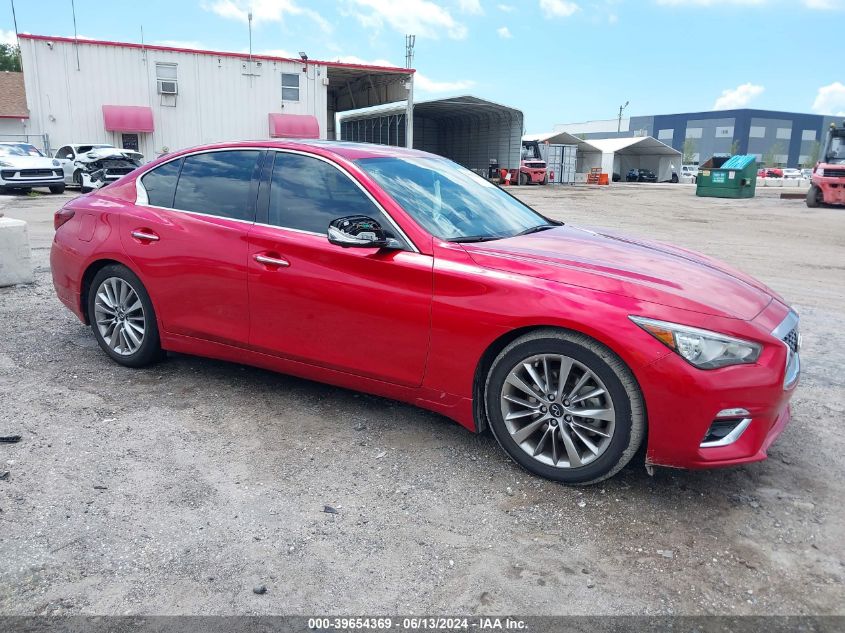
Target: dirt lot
{"points": [[178, 489]]}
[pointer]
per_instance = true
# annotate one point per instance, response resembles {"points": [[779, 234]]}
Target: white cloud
{"points": [[470, 6], [276, 52], [420, 17], [830, 99], [738, 97], [710, 3], [264, 11], [504, 32], [558, 8], [824, 5], [8, 37], [506, 8], [425, 84], [353, 59]]}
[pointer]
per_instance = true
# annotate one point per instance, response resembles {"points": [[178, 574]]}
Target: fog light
{"points": [[727, 428]]}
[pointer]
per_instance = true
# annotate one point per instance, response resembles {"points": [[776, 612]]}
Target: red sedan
{"points": [[399, 273]]}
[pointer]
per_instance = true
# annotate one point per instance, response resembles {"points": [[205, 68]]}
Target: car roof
{"points": [[344, 149]]}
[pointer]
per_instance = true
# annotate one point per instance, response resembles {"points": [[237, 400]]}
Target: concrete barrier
{"points": [[686, 180], [791, 182], [15, 256]]}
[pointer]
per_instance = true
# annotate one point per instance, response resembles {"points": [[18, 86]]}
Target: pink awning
{"points": [[128, 118], [294, 126]]}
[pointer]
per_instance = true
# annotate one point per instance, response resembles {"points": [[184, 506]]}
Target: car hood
{"points": [[29, 162], [648, 271], [107, 152]]}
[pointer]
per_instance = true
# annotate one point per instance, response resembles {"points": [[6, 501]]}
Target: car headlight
{"points": [[4, 163], [702, 348]]}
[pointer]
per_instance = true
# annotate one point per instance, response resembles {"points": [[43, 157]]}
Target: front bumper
{"points": [[18, 179], [833, 189], [683, 402]]}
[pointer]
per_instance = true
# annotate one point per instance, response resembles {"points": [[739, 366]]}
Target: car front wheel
{"points": [[122, 317], [564, 407]]}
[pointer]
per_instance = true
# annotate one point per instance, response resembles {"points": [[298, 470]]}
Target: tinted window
{"points": [[307, 193], [217, 183], [160, 183]]}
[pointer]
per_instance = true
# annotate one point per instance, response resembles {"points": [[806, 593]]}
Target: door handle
{"points": [[272, 261], [144, 236]]}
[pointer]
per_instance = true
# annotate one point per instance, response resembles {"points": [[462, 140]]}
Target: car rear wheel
{"points": [[57, 188], [814, 197], [564, 407], [122, 317]]}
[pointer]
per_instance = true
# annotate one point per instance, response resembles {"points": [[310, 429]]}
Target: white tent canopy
{"points": [[618, 155]]}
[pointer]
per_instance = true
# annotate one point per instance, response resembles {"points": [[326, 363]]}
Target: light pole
{"points": [[621, 108]]}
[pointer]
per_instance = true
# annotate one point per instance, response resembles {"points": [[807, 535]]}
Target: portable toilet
{"points": [[736, 177]]}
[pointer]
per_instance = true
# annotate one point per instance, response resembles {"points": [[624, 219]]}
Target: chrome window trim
{"points": [[141, 197]]}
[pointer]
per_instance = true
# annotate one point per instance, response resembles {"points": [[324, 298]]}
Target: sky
{"points": [[559, 61]]}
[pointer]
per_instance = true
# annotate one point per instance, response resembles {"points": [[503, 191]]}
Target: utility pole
{"points": [[410, 40], [75, 36], [621, 108]]}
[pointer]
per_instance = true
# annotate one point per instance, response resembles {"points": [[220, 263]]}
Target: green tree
{"points": [[770, 157], [688, 150], [10, 58], [813, 155]]}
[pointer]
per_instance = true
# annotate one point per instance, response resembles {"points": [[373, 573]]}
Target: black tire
{"points": [[150, 349], [814, 196], [522, 179], [630, 420], [24, 191], [57, 188], [545, 180], [5, 190], [86, 189]]}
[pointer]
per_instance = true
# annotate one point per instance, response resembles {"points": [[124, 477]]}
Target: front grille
{"points": [[36, 173], [791, 340], [833, 173], [9, 174]]}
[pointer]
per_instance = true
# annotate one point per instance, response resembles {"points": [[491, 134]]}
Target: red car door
{"points": [[364, 311], [189, 242]]}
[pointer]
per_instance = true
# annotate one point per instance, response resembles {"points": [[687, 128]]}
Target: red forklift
{"points": [[828, 183]]}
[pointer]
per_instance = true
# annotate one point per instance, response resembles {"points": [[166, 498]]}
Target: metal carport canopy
{"points": [[562, 138], [644, 145], [472, 131]]}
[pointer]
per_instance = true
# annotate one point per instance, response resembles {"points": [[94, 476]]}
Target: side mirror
{"points": [[359, 231]]}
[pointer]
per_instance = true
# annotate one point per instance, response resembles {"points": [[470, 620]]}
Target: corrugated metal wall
{"points": [[469, 139]]}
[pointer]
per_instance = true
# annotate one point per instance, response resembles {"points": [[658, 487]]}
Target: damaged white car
{"points": [[90, 166]]}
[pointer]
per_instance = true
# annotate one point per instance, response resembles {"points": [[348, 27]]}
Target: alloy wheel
{"points": [[119, 315], [557, 410]]}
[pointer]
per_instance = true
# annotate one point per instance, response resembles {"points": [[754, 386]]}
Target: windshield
{"points": [[836, 154], [11, 150], [449, 201]]}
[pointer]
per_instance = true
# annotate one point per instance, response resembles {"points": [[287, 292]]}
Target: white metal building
{"points": [[158, 98]]}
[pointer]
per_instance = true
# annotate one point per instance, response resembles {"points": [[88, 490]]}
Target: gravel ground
{"points": [[178, 489]]}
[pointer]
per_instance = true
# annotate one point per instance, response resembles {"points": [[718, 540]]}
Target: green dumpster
{"points": [[734, 178]]}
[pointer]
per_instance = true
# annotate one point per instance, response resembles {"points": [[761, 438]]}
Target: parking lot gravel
{"points": [[185, 487]]}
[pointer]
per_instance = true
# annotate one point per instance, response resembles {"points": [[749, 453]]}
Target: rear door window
{"points": [[160, 183], [218, 183]]}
